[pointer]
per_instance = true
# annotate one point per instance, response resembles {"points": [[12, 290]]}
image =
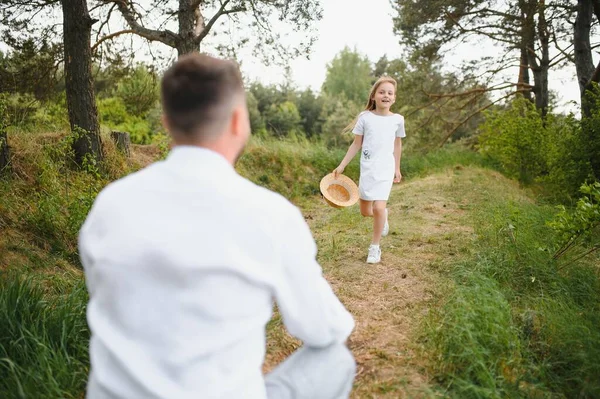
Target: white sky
{"points": [[364, 24]]}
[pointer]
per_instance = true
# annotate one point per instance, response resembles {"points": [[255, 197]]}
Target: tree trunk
{"points": [[524, 84], [122, 141], [539, 65], [4, 152], [190, 22], [542, 97], [81, 103], [584, 63]]}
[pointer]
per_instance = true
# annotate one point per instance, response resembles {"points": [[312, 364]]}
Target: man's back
{"points": [[182, 262]]}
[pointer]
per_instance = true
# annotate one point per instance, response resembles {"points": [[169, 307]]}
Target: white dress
{"points": [[377, 163]]}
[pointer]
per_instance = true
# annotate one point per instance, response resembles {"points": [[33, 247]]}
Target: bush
{"points": [[113, 114], [517, 139], [579, 230]]}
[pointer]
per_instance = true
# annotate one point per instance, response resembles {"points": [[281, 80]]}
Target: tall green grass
{"points": [[515, 324], [43, 340]]}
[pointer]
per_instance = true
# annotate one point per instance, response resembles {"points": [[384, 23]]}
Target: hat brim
{"points": [[339, 192]]}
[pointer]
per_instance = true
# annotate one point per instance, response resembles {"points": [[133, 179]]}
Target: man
{"points": [[184, 258]]}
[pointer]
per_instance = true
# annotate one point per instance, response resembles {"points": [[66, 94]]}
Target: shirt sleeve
{"points": [[359, 127], [400, 132], [310, 309]]}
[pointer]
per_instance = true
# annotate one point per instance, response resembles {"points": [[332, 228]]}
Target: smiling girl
{"points": [[378, 132]]}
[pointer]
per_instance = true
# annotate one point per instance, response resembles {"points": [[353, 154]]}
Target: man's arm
{"points": [[310, 309]]}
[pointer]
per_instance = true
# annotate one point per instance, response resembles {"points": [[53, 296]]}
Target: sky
{"points": [[362, 24]]}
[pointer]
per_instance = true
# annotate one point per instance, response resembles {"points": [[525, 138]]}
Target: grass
{"points": [[515, 325], [43, 340], [467, 302]]}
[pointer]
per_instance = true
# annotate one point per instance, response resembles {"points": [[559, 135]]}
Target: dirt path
{"points": [[390, 299]]}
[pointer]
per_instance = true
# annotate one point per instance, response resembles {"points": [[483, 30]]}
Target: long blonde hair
{"points": [[371, 106]]}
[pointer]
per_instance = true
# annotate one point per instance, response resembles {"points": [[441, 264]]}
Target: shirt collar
{"points": [[192, 159]]}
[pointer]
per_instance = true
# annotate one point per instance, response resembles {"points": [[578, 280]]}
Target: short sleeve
{"points": [[400, 132], [359, 128]]}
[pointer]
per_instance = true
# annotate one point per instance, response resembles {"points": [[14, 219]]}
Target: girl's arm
{"points": [[352, 151], [397, 156]]}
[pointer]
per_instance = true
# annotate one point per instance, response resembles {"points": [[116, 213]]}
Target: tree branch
{"points": [[165, 36], [473, 114], [110, 37], [215, 17], [594, 79], [472, 91]]}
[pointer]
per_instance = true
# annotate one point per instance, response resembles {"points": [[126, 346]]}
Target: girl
{"points": [[379, 133]]}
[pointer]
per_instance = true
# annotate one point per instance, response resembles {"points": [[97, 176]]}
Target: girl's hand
{"points": [[397, 176], [338, 171]]}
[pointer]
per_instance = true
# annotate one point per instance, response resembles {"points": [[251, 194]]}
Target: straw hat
{"points": [[339, 192]]}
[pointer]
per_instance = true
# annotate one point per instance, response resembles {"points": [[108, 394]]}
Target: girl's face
{"points": [[385, 96]]}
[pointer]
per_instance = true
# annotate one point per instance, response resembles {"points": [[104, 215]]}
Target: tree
{"points": [[349, 75], [310, 106], [282, 119], [81, 103], [196, 19], [433, 118], [584, 63], [526, 31], [31, 68], [257, 122], [19, 19], [4, 149], [139, 90], [588, 77]]}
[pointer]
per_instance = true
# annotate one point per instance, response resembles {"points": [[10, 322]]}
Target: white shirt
{"points": [[379, 133], [182, 261]]}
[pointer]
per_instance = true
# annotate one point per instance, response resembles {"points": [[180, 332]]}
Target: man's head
{"points": [[204, 104]]}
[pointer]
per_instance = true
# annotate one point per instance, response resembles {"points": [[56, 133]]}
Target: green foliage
{"points": [[3, 114], [21, 109], [338, 113], [310, 106], [282, 119], [52, 115], [257, 122], [516, 325], [534, 149], [349, 75], [31, 68], [113, 114], [579, 230], [517, 139], [590, 133], [43, 340], [139, 91], [266, 96]]}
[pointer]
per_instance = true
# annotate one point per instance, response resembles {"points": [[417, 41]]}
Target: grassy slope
{"points": [[462, 305]]}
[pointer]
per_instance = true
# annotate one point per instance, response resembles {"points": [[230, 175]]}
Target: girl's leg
{"points": [[378, 220], [366, 208]]}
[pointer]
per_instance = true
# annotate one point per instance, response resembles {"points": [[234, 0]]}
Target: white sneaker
{"points": [[386, 226], [374, 254]]}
